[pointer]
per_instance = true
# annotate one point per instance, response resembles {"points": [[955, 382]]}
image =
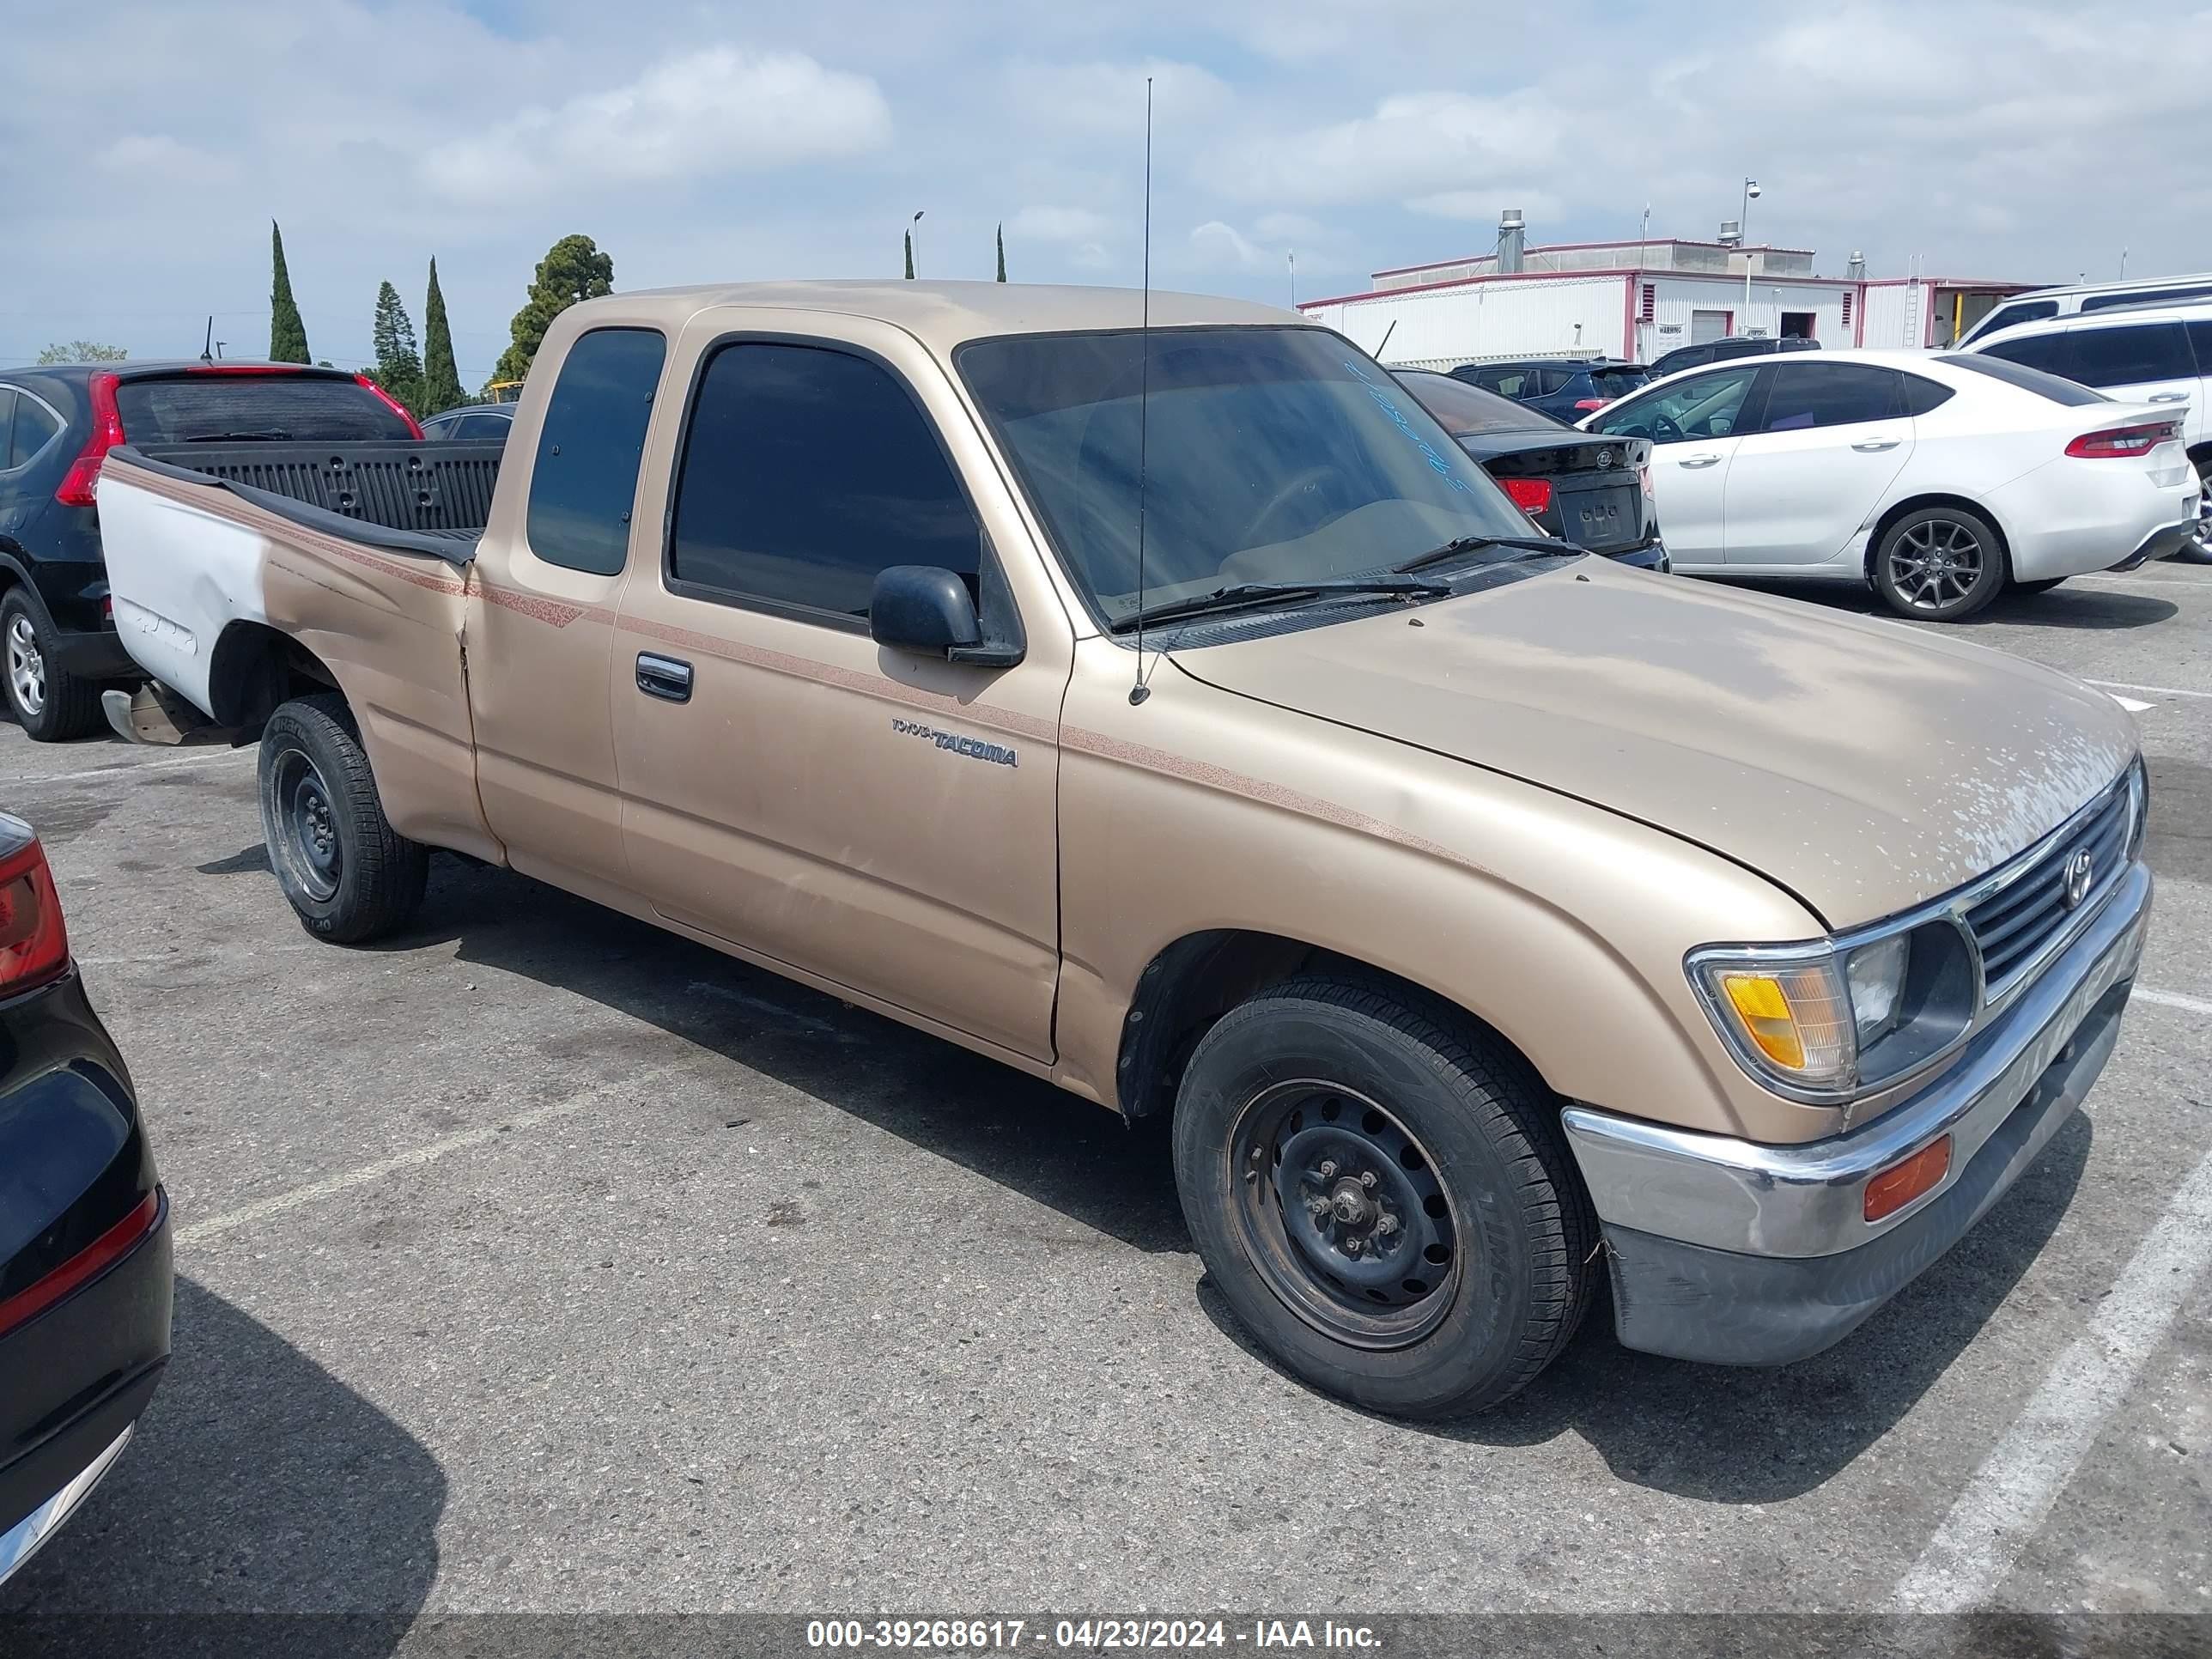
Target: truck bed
{"points": [[442, 489]]}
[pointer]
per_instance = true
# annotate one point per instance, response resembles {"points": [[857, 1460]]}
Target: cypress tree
{"points": [[287, 335], [441, 378], [572, 268], [1002, 254], [399, 365]]}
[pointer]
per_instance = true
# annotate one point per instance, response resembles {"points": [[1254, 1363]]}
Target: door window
{"points": [[806, 471], [1704, 406], [2200, 337], [1508, 382], [2129, 354], [2005, 316], [1805, 395], [6, 408], [584, 482], [2053, 353]]}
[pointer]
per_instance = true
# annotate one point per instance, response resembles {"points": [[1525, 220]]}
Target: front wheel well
{"points": [[1891, 515], [1202, 976], [255, 670]]}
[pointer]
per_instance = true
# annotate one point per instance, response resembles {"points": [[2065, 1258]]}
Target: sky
{"points": [[144, 148]]}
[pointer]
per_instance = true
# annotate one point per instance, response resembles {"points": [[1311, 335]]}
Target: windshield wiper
{"points": [[272, 435], [1246, 595], [1527, 547]]}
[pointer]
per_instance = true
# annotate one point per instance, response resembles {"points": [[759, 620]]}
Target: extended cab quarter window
{"points": [[583, 481], [806, 470]]}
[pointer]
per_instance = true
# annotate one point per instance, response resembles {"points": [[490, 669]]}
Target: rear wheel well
{"points": [[2202, 456], [1882, 524], [256, 669], [1202, 976]]}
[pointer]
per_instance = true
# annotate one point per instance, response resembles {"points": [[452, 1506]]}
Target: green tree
{"points": [[909, 256], [287, 335], [398, 364], [81, 352], [441, 379], [572, 268], [1002, 254]]}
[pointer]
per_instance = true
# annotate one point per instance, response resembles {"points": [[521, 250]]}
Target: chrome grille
{"points": [[2012, 926]]}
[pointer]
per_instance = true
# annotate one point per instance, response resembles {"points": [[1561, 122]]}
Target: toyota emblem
{"points": [[2081, 876]]}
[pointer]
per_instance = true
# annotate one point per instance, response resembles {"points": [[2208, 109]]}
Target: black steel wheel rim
{"points": [[307, 827], [1341, 1213], [1936, 563]]}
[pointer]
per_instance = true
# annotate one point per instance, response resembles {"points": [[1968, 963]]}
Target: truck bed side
{"points": [[203, 570]]}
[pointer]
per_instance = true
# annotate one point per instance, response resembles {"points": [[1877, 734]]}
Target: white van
{"points": [[2049, 302]]}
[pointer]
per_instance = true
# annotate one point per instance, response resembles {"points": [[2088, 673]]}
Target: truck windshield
{"points": [[1271, 455]]}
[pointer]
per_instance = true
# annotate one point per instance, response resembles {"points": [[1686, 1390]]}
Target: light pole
{"points": [[913, 230], [1743, 245]]}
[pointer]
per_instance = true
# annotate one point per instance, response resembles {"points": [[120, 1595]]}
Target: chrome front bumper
{"points": [[21, 1541], [1733, 1251]]}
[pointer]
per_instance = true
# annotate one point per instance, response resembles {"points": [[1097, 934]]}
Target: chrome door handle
{"points": [[1691, 463], [665, 677], [1875, 446], [2169, 397]]}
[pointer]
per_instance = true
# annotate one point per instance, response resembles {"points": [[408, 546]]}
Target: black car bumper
{"points": [[1652, 555], [72, 1383], [96, 655]]}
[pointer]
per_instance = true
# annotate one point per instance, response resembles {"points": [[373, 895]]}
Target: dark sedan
{"points": [[1595, 494], [84, 1238], [1564, 391]]}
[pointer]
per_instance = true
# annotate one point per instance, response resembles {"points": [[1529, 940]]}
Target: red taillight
{"points": [[77, 489], [1584, 405], [1531, 496], [391, 404], [2119, 443], [34, 943], [87, 1264]]}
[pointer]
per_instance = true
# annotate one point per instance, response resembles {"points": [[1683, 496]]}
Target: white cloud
{"points": [[1058, 224], [702, 112], [1101, 98], [1411, 145]]}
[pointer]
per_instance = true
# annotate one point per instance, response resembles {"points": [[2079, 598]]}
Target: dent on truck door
{"points": [[879, 820]]}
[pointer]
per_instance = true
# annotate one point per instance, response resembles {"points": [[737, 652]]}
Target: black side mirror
{"points": [[923, 608]]}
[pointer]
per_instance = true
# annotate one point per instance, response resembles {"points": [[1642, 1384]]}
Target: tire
{"points": [[1920, 566], [1294, 1096], [2197, 550], [351, 876], [2043, 586], [50, 703]]}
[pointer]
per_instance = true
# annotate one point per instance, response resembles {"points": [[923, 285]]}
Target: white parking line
{"points": [[215, 1227], [2161, 691], [2171, 999], [2131, 704], [1974, 1551], [200, 758]]}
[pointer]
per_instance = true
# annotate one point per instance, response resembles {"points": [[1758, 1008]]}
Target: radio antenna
{"points": [[1140, 692]]}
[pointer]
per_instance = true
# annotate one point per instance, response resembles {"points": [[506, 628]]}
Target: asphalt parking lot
{"points": [[547, 1262]]}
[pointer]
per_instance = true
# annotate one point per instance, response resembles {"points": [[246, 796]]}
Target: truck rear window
{"points": [[299, 407]]}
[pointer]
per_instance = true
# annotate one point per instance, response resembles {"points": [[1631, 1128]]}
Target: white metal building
{"points": [[1638, 299]]}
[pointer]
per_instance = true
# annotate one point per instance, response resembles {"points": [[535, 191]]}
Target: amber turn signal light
{"points": [[1900, 1184]]}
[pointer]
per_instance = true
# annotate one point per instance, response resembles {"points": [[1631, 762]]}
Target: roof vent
{"points": [[1512, 239], [1856, 270], [1731, 233]]}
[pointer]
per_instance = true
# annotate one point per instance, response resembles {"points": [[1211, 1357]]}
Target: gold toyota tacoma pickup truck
{"points": [[1176, 713]]}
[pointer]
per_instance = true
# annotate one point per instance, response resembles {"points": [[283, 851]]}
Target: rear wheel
{"points": [[2197, 550], [1384, 1199], [52, 704], [1940, 564], [347, 874]]}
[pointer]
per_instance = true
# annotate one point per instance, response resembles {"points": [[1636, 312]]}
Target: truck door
{"points": [[879, 820], [540, 635]]}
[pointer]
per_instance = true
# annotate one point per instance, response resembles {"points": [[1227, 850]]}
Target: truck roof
{"points": [[942, 315]]}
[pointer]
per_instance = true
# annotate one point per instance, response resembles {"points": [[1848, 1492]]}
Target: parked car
{"points": [[1940, 480], [56, 423], [1561, 390], [2049, 302], [476, 421], [1725, 351], [1487, 917], [2149, 354], [1595, 495], [85, 1283]]}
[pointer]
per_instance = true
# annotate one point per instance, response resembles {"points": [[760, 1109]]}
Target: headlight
{"points": [[1830, 1019]]}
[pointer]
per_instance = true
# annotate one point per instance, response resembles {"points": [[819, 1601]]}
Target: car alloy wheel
{"points": [[1342, 1215], [1936, 564], [27, 666]]}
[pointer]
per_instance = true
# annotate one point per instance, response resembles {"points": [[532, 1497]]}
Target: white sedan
{"points": [[1940, 479]]}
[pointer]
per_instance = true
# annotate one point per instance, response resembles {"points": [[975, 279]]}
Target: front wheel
{"points": [[1940, 564], [1384, 1199], [348, 874]]}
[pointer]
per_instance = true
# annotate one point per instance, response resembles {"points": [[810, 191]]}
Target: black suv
{"points": [[1563, 389], [56, 424], [1723, 350]]}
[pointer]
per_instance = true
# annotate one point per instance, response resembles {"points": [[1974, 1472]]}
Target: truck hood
{"points": [[1864, 765]]}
